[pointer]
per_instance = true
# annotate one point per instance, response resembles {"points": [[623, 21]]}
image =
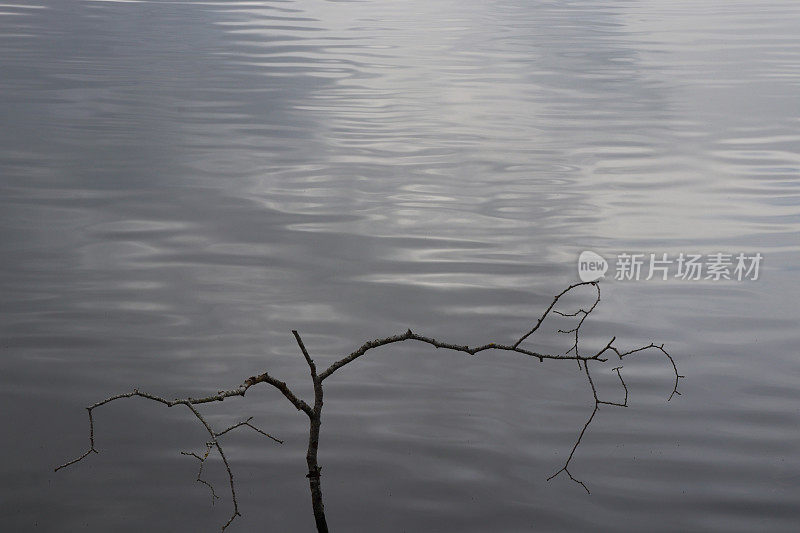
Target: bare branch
{"points": [[598, 401], [583, 313], [251, 426], [68, 463], [565, 468], [550, 308], [624, 386], [409, 335], [315, 413], [281, 386], [310, 361], [663, 351]]}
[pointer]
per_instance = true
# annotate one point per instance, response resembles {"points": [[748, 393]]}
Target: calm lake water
{"points": [[184, 183]]}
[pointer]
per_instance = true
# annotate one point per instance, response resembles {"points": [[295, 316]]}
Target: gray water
{"points": [[184, 183]]}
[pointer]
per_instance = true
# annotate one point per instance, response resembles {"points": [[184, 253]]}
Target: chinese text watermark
{"points": [[662, 266]]}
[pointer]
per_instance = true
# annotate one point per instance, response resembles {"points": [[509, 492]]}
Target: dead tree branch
{"points": [[314, 412]]}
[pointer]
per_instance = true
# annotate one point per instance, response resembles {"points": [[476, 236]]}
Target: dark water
{"points": [[183, 183]]}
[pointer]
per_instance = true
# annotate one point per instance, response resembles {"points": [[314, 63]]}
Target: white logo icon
{"points": [[591, 266]]}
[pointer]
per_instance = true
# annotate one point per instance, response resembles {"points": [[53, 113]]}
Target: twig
{"points": [[190, 404], [598, 401], [202, 460], [251, 426]]}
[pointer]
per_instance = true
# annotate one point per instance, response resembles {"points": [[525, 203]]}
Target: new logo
{"points": [[591, 266]]}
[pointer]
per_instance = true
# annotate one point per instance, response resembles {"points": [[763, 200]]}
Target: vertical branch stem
{"points": [[314, 470], [315, 422]]}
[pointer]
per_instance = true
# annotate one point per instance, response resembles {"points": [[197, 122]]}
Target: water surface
{"points": [[183, 183]]}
